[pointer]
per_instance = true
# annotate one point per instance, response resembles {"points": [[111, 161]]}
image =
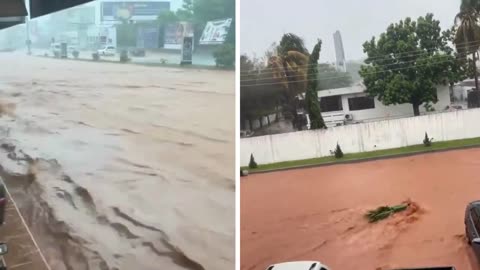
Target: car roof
{"points": [[474, 203], [300, 265]]}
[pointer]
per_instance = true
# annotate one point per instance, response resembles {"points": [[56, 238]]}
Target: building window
{"points": [[331, 104], [361, 103]]}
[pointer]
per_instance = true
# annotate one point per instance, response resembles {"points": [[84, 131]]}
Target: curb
{"points": [[193, 67], [353, 161]]}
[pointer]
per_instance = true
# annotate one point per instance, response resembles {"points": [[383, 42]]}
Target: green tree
{"points": [[291, 42], [467, 38], [407, 63], [311, 96], [259, 94], [199, 12]]}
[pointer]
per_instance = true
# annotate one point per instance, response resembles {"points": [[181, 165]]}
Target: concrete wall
{"points": [[361, 137]]}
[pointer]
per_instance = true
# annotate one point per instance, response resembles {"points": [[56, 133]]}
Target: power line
{"points": [[411, 54], [301, 75], [338, 77]]}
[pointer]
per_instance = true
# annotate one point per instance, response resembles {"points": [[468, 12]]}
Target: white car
{"points": [[301, 265], [107, 51]]}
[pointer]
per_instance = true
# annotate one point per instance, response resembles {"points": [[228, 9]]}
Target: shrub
{"points": [[252, 164], [338, 152], [225, 56], [95, 56], [75, 54], [427, 141]]}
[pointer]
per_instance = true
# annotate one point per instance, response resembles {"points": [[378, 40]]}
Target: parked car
{"points": [[300, 265], [107, 51], [472, 226]]}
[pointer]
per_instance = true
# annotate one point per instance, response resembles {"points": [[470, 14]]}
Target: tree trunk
{"points": [[416, 109], [475, 70]]}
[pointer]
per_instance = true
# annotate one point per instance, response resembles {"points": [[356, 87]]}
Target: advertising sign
{"points": [[187, 50], [215, 32], [174, 34], [113, 11]]}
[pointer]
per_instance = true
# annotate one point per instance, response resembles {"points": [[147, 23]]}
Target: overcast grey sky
{"points": [[265, 21]]}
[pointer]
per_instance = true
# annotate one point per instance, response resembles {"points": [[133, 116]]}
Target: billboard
{"points": [[137, 10], [174, 34], [215, 32]]}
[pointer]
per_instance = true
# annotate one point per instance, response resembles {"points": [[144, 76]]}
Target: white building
{"points": [[353, 105]]}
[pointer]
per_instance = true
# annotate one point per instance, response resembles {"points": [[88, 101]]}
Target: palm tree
{"points": [[467, 38], [289, 69]]}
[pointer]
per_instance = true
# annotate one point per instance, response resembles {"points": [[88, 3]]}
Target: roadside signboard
{"points": [[175, 33], [215, 32], [187, 51]]}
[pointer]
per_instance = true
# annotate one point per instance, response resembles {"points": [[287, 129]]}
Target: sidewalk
{"points": [[22, 252]]}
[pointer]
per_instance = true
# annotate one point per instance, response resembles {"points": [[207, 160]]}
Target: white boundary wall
{"points": [[364, 137]]}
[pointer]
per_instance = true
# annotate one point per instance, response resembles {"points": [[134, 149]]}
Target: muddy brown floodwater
{"points": [[120, 166], [317, 214]]}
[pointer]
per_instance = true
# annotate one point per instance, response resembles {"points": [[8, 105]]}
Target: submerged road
{"points": [[120, 166], [318, 214]]}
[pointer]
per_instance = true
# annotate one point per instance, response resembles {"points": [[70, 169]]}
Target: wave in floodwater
{"points": [[65, 249], [119, 175]]}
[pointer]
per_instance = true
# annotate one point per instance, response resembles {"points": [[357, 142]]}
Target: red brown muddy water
{"points": [[318, 214], [120, 166]]}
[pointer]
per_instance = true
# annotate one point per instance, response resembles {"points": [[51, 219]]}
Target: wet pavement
{"points": [[22, 254], [318, 214]]}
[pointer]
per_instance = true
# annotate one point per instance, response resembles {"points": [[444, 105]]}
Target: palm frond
{"points": [[384, 212]]}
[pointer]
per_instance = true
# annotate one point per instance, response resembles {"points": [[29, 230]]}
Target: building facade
{"points": [[340, 62], [352, 105]]}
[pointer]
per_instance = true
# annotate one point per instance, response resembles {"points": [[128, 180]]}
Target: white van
{"points": [[300, 265]]}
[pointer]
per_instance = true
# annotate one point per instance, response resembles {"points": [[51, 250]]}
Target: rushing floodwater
{"points": [[121, 166]]}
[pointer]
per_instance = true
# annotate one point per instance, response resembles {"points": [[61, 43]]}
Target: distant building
{"points": [[352, 105], [340, 63]]}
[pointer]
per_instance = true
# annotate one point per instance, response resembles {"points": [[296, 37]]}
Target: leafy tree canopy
{"points": [[408, 61]]}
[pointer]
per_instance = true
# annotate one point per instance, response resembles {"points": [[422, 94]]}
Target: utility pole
{"points": [[27, 24]]}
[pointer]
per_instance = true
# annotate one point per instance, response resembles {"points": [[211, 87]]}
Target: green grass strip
{"points": [[414, 149]]}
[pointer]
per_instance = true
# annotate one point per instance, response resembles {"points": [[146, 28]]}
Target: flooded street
{"points": [[318, 214], [121, 166]]}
